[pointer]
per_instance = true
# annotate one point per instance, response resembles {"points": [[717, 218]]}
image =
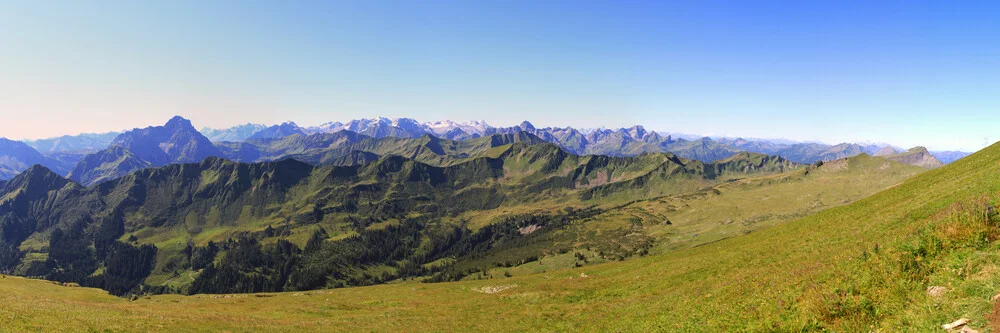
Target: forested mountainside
{"points": [[393, 198]]}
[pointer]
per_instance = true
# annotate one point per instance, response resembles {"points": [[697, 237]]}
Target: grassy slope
{"points": [[774, 279], [740, 207], [723, 211]]}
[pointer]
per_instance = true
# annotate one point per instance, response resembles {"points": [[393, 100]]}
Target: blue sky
{"points": [[903, 72]]}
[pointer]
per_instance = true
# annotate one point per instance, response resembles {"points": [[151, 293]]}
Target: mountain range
{"points": [[17, 157], [620, 142], [615, 142], [193, 199], [165, 210], [92, 158], [235, 133], [73, 143]]}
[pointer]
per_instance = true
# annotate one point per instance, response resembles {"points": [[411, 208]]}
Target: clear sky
{"points": [[903, 72]]}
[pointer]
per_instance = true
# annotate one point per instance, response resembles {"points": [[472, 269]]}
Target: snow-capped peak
{"points": [[441, 127], [477, 123]]}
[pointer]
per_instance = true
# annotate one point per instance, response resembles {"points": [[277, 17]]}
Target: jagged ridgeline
{"points": [[93, 158], [177, 141], [287, 224]]}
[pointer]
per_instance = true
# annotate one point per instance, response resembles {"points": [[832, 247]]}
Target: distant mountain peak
{"points": [[405, 122], [886, 151], [637, 132], [178, 121], [278, 131], [481, 123], [175, 142], [527, 126], [453, 130]]}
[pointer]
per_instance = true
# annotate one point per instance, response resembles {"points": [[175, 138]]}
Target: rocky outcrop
{"points": [[918, 156]]}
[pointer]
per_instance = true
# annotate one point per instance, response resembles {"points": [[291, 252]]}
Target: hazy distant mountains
{"points": [[92, 158], [278, 131], [614, 142], [236, 133], [73, 143], [949, 156], [378, 128], [16, 156], [621, 142]]}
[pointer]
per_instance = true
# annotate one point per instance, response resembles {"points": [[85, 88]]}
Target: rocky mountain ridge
{"points": [[178, 142]]}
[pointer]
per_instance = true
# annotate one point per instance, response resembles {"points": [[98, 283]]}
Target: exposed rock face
{"points": [[918, 156]]}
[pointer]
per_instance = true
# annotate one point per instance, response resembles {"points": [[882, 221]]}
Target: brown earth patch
{"points": [[994, 317]]}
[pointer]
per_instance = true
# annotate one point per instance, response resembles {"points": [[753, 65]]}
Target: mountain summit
{"points": [[177, 141], [278, 131]]}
